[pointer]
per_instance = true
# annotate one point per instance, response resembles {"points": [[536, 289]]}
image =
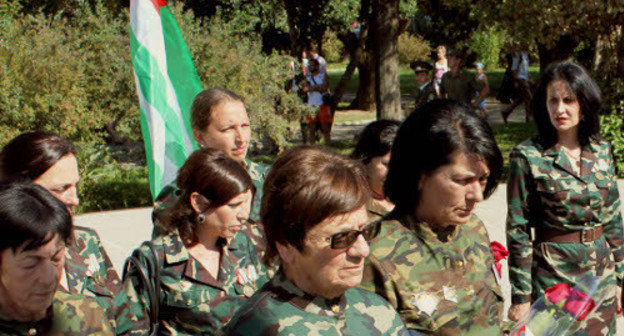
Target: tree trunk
{"points": [[356, 55], [562, 50], [365, 97], [386, 32]]}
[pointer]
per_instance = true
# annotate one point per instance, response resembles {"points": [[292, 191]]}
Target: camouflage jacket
{"points": [[280, 308], [424, 95], [439, 284], [70, 315], [170, 194], [375, 210], [192, 301], [544, 191]]}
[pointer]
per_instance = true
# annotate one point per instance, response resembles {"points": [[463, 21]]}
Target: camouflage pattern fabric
{"points": [[193, 302], [440, 283], [170, 194], [375, 210], [70, 315], [424, 95], [280, 308], [544, 191]]}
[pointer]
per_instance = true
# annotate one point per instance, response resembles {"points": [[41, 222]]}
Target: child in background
{"points": [[486, 85]]}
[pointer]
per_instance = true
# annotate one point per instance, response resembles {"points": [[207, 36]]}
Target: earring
{"points": [[201, 218]]}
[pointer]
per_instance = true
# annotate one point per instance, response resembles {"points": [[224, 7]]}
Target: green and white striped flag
{"points": [[166, 82]]}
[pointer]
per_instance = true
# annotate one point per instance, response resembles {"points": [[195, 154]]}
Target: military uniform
{"points": [[461, 86], [70, 314], [545, 193], [375, 209], [280, 308], [193, 302], [424, 95], [90, 272], [440, 283]]}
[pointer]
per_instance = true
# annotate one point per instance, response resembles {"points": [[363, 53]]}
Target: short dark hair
{"points": [[375, 140], [306, 185], [31, 217], [29, 155], [427, 139], [205, 102], [587, 93], [212, 174]]}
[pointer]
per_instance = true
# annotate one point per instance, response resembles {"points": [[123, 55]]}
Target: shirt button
{"points": [[188, 302], [432, 325], [335, 309], [32, 331], [459, 264], [586, 223]]}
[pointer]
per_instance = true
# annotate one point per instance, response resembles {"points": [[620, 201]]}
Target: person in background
{"points": [[522, 86], [312, 52], [432, 259], [50, 161], [373, 150], [208, 264], [317, 85], [562, 185], [36, 229], [441, 67], [219, 120], [459, 84], [316, 224], [425, 89], [481, 77]]}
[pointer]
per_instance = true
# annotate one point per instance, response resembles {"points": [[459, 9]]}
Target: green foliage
{"points": [[333, 48], [487, 44], [411, 48], [508, 136], [612, 128]]}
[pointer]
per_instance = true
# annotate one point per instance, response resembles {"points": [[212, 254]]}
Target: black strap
{"points": [[150, 279]]}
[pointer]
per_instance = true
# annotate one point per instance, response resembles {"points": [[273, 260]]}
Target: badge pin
{"points": [[425, 302], [251, 271], [248, 291]]}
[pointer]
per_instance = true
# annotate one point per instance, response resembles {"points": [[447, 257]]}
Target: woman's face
{"points": [[563, 107], [226, 220], [229, 130], [377, 170], [61, 180], [29, 279], [449, 194], [321, 270]]}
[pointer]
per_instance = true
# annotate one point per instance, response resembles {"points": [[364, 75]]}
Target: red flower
{"points": [[499, 250], [579, 304], [558, 292]]}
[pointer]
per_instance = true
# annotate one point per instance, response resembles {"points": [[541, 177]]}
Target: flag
{"points": [[166, 83]]}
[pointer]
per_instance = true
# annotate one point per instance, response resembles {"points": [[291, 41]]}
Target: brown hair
{"points": [[205, 102], [212, 174], [306, 185], [29, 155]]}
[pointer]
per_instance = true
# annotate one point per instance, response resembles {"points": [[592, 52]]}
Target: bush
{"points": [[411, 48], [487, 44], [612, 128], [333, 48]]}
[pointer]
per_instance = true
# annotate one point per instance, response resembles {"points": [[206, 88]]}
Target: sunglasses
{"points": [[345, 239]]}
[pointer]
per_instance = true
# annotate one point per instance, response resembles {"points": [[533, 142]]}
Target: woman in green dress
{"points": [[562, 186]]}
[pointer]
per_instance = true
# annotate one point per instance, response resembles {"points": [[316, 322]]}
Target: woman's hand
{"points": [[519, 310], [618, 300]]}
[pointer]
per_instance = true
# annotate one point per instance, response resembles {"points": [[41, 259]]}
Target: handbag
{"points": [[149, 276]]}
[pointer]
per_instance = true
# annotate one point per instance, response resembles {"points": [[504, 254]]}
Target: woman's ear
{"points": [[199, 203], [286, 252]]}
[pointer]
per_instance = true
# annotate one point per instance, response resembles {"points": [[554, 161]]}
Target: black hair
{"points": [[587, 94], [29, 155], [375, 140], [31, 217], [427, 139]]}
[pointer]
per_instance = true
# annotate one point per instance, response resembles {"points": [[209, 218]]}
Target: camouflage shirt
{"points": [[544, 191], [192, 301], [280, 308], [440, 283], [70, 315], [170, 194]]}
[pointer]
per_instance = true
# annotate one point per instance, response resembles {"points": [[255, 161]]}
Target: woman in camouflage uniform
{"points": [[562, 185], [49, 161], [373, 150], [36, 229], [432, 259], [208, 264], [315, 219]]}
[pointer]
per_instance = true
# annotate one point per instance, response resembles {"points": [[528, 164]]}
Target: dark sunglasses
{"points": [[345, 239]]}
